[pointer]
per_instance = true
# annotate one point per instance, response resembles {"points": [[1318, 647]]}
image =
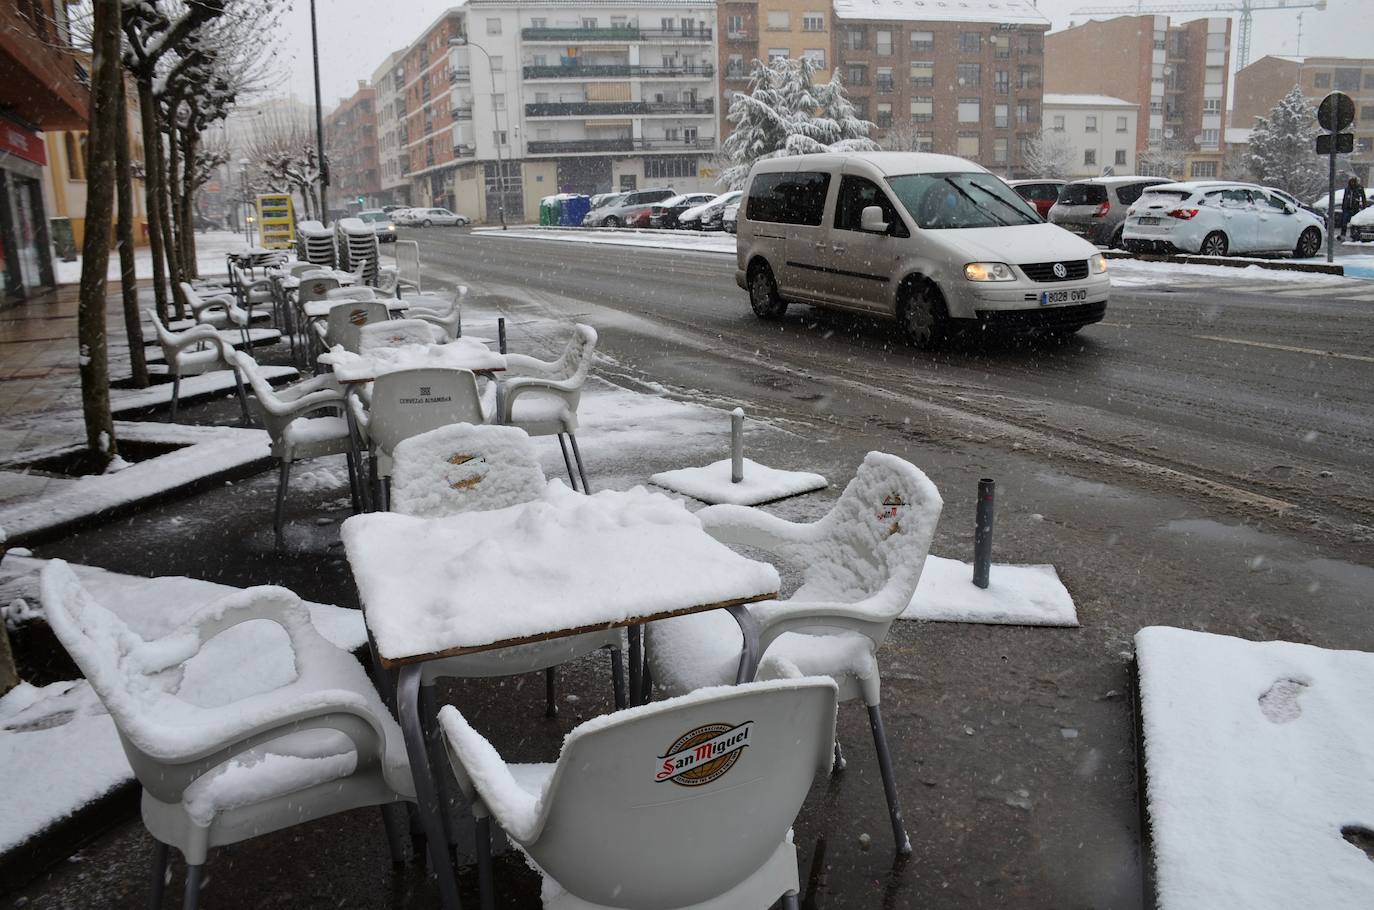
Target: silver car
{"points": [[381, 223], [629, 210], [1095, 209], [431, 217]]}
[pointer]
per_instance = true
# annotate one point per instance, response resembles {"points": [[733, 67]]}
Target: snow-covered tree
{"points": [[1050, 155], [786, 113], [1165, 158], [285, 159], [1282, 150]]}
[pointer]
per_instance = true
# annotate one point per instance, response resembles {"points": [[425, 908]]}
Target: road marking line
{"points": [[1285, 347]]}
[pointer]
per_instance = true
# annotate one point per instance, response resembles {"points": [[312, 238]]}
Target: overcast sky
{"points": [[356, 35]]}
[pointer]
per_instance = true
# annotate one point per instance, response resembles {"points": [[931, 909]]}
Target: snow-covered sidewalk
{"points": [[688, 241], [211, 248]]}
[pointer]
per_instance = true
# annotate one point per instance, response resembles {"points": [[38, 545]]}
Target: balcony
{"points": [[615, 35], [460, 74], [621, 144], [619, 70], [741, 35], [462, 113], [617, 108], [464, 151]]}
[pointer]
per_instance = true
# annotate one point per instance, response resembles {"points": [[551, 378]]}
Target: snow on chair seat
{"points": [[242, 722], [194, 352], [860, 565], [393, 333], [634, 814]]}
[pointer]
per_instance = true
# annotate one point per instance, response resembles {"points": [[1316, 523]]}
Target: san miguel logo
{"points": [[893, 504], [702, 755], [358, 316]]}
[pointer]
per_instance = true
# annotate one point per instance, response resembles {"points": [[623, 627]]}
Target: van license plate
{"points": [[1051, 297]]}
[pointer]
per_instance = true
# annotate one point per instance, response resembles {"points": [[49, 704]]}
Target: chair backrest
{"points": [[272, 410], [407, 403], [464, 468], [346, 319], [392, 333], [166, 338], [315, 289], [301, 268], [353, 293], [685, 798]]}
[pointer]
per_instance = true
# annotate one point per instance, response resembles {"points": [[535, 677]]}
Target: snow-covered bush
{"points": [[1282, 151]]}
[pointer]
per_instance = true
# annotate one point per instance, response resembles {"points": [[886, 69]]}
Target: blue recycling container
{"points": [[575, 209]]}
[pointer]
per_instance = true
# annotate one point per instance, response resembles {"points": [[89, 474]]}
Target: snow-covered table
{"points": [[458, 354], [559, 566]]}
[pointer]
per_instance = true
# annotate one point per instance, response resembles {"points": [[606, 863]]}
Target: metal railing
{"points": [[462, 113], [595, 108], [602, 70], [618, 33], [617, 144], [460, 74]]}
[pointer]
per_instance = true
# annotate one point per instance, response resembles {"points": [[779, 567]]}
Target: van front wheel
{"points": [[763, 293], [921, 313]]}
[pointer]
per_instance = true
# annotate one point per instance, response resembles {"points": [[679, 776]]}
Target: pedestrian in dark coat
{"points": [[1351, 203]]}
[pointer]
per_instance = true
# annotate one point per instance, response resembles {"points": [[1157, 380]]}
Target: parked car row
{"points": [[426, 217], [660, 208]]}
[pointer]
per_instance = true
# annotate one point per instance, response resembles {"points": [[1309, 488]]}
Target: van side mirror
{"points": [[871, 220]]}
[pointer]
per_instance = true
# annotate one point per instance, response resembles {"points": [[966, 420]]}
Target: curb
{"points": [[1232, 262], [25, 862], [139, 411]]}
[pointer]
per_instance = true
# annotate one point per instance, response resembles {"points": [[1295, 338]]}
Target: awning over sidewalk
{"points": [[38, 79]]}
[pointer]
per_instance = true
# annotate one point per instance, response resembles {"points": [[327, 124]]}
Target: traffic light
{"points": [[360, 200]]}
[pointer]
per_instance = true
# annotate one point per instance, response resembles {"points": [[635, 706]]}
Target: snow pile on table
{"points": [[562, 562], [1259, 761], [761, 483], [207, 451], [1015, 595], [459, 354], [462, 468]]}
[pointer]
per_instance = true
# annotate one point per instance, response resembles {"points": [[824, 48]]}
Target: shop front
{"points": [[25, 258]]}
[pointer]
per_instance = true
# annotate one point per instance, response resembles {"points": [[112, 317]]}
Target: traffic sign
{"points": [[1336, 112], [1345, 143]]}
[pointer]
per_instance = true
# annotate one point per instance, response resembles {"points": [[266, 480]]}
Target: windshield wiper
{"points": [[987, 211], [1026, 218]]}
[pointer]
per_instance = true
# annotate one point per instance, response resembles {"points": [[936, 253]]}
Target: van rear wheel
{"points": [[921, 313], [763, 293]]}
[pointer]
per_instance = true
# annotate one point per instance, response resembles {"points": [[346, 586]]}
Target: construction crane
{"points": [[1246, 8]]}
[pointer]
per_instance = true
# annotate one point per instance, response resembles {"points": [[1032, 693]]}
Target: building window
{"points": [[1216, 75], [923, 74], [813, 22], [922, 110], [1090, 124], [1058, 125], [966, 145], [969, 110], [816, 56], [855, 39], [1321, 80], [777, 53], [856, 74], [1032, 44], [498, 136], [884, 80], [1001, 116], [970, 42], [1090, 157], [1203, 169], [1001, 82], [1121, 124], [734, 26], [779, 20], [1001, 46], [999, 149], [539, 22], [884, 115], [1364, 144], [970, 75], [1210, 138], [498, 102], [76, 156], [666, 24], [1024, 113], [667, 168], [923, 142], [923, 41], [689, 135], [1028, 77], [1347, 79], [1120, 157], [1211, 105], [882, 41], [734, 67], [493, 26], [1366, 114], [588, 22]]}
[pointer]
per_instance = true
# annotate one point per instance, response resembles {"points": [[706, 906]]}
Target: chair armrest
{"points": [[511, 389], [753, 527], [777, 618], [523, 363], [195, 336], [486, 781]]}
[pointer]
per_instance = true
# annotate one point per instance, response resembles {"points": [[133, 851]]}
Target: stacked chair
{"points": [[358, 248], [315, 243]]}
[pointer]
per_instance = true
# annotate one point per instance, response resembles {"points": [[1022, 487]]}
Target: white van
{"points": [[933, 241]]}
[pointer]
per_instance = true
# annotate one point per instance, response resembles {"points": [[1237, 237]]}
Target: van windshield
{"points": [[945, 201]]}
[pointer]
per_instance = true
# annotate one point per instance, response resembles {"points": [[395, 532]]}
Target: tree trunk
{"points": [[151, 191], [167, 180], [9, 674], [124, 230], [106, 83], [190, 150]]}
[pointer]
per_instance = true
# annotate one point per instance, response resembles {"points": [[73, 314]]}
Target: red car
{"points": [[1042, 194]]}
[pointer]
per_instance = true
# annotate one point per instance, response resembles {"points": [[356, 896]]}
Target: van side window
{"points": [[788, 198], [856, 194]]}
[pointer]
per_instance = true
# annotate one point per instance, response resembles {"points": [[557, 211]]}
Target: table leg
{"points": [[635, 636], [749, 655], [426, 796], [355, 438]]}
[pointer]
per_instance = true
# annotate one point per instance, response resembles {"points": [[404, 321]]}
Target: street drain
{"points": [[1360, 836]]}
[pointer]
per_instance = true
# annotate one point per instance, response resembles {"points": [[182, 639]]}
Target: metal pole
{"points": [[501, 334], [243, 209], [319, 120], [982, 533], [1331, 201], [737, 445]]}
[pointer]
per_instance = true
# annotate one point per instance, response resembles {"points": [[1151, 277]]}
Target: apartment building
{"points": [[954, 78], [388, 84], [350, 143], [1176, 74], [1262, 84], [1100, 129], [766, 30]]}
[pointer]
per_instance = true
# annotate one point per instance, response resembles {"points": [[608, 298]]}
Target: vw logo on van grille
{"points": [[1060, 271]]}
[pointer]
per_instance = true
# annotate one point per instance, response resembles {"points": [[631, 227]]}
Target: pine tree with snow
{"points": [[1282, 150], [785, 113]]}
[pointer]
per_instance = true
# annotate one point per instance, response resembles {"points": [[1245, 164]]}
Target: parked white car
{"points": [[708, 217], [1361, 227], [401, 216], [436, 217], [1217, 218], [729, 218], [933, 241]]}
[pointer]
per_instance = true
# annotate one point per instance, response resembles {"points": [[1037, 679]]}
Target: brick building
{"points": [[962, 79], [392, 164], [350, 143], [1176, 74], [765, 30], [1262, 84]]}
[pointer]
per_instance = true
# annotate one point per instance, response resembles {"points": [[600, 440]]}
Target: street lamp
{"points": [[319, 121], [243, 192], [500, 166]]}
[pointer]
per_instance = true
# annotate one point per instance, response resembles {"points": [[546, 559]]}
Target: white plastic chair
{"points": [[296, 435], [543, 400], [268, 728], [449, 321], [218, 311], [250, 292], [196, 351], [341, 326], [618, 823], [860, 564]]}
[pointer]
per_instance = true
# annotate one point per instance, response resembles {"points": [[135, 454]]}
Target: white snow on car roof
{"points": [[1000, 11], [890, 164]]}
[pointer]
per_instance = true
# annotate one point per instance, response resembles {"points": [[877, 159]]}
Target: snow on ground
{"points": [[211, 248], [1139, 273], [41, 729], [220, 381], [761, 483], [1259, 758], [207, 451], [700, 241], [1015, 595]]}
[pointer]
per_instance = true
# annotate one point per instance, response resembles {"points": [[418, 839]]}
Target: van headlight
{"points": [[1097, 264], [989, 271]]}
